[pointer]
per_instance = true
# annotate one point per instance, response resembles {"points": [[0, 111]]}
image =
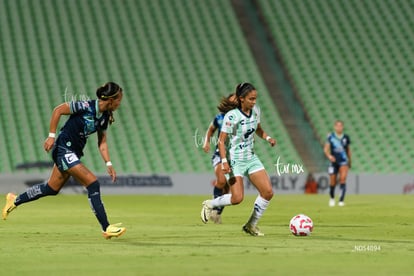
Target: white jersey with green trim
{"points": [[241, 129]]}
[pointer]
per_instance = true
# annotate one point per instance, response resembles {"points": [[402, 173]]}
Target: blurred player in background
{"points": [[86, 118], [221, 186], [311, 186], [337, 149], [240, 125]]}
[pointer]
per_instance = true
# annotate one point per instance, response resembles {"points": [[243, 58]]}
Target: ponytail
{"points": [[227, 103]]}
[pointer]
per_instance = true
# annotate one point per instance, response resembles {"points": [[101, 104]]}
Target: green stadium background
{"points": [[175, 59]]}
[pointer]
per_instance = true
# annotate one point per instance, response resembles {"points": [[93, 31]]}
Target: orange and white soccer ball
{"points": [[301, 225]]}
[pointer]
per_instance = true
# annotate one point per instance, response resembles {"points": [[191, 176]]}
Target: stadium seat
{"points": [[352, 60], [174, 59]]}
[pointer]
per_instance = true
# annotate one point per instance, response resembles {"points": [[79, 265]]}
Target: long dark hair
{"points": [[226, 104], [109, 90], [241, 91]]}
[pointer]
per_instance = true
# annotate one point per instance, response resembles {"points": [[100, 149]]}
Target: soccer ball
{"points": [[301, 225]]}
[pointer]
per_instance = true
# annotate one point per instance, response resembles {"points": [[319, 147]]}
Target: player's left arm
{"points": [[103, 149], [348, 153], [262, 134]]}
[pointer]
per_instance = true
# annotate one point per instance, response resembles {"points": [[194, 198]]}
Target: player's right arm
{"points": [[327, 151], [223, 152], [210, 131], [229, 122], [62, 109]]}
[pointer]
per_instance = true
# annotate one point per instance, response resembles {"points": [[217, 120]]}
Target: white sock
{"points": [[221, 201], [260, 206]]}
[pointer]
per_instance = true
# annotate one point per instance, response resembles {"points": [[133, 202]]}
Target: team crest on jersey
{"points": [[85, 104], [344, 141], [102, 122]]}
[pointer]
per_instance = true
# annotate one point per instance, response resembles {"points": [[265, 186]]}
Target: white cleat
{"points": [[252, 230], [332, 202], [206, 211], [341, 203]]}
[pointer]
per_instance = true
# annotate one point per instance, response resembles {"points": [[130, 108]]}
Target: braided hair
{"points": [[109, 90]]}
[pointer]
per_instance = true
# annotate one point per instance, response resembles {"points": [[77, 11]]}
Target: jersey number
{"points": [[248, 133]]}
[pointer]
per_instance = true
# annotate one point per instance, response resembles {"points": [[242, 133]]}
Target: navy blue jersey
{"points": [[217, 122], [339, 147], [85, 119]]}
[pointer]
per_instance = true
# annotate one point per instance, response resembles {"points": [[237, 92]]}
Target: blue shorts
{"points": [[64, 158], [215, 159], [334, 167]]}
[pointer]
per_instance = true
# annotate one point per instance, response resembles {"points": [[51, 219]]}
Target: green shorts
{"points": [[244, 167]]}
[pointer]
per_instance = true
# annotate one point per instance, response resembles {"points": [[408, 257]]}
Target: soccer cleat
{"points": [[252, 230], [10, 197], [114, 230], [331, 202], [206, 211], [215, 217], [341, 203]]}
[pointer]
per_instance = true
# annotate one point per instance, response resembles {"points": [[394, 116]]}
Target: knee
{"points": [[93, 188], [221, 182], [267, 194], [236, 199], [47, 190]]}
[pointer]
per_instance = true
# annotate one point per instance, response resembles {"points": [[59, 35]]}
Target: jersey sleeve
{"points": [[80, 106], [328, 138], [215, 122], [105, 124], [258, 112], [229, 122]]}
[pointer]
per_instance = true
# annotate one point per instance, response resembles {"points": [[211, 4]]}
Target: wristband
{"points": [[52, 135], [224, 160], [109, 163], [268, 138]]}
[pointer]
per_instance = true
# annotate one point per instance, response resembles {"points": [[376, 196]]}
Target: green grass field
{"points": [[372, 235]]}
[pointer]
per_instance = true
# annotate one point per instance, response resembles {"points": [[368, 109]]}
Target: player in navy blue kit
{"points": [[86, 118], [337, 149], [220, 185]]}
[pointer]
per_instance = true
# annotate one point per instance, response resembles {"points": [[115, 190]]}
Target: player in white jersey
{"points": [[239, 125]]}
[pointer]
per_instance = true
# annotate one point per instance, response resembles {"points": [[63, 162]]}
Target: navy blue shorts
{"points": [[334, 167], [215, 159], [64, 158]]}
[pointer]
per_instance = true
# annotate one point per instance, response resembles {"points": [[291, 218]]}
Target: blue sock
{"points": [[218, 192], [343, 191], [35, 192], [94, 196], [332, 191]]}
